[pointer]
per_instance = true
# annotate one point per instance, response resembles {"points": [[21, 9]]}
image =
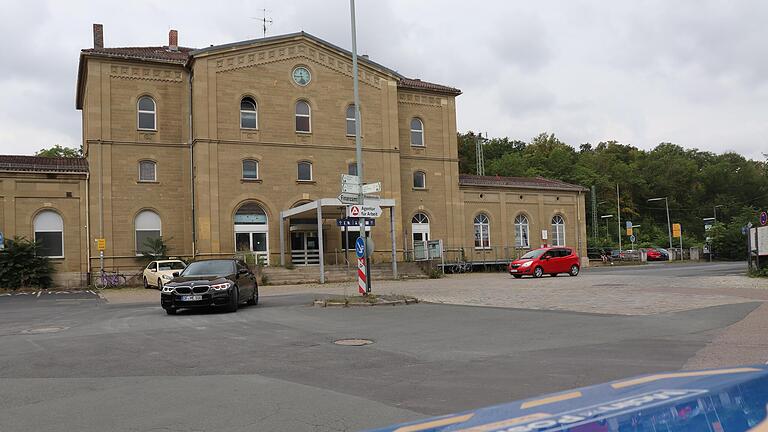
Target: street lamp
{"points": [[669, 226], [606, 217]]}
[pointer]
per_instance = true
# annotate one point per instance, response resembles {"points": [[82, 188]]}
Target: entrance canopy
{"points": [[327, 208]]}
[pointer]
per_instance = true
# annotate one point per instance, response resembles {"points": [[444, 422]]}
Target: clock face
{"points": [[301, 76]]}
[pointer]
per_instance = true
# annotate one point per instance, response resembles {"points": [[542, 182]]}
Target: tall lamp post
{"points": [[669, 226], [606, 217]]}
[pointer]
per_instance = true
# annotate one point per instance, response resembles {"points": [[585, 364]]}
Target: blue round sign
{"points": [[763, 218], [360, 247]]}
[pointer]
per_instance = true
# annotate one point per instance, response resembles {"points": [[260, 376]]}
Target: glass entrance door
{"points": [[305, 248], [255, 242]]}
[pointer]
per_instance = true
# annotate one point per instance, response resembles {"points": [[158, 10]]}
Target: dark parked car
{"points": [[220, 282]]}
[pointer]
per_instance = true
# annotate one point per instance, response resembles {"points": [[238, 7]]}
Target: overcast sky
{"points": [[641, 72]]}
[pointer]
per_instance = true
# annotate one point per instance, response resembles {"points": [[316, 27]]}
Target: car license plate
{"points": [[513, 271], [191, 298]]}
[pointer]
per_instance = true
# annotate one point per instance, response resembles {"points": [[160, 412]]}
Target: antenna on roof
{"points": [[264, 22]]}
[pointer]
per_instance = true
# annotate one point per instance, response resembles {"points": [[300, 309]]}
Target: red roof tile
{"points": [[418, 84], [43, 164], [517, 182], [162, 54]]}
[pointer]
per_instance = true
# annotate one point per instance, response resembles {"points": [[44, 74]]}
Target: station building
{"points": [[240, 147]]}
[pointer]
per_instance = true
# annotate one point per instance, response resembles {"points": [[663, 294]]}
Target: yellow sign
{"points": [[101, 244], [676, 230], [629, 231]]}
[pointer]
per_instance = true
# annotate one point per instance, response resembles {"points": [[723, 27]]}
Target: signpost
{"points": [[362, 270], [2, 241], [364, 211], [763, 218], [348, 198], [677, 231]]}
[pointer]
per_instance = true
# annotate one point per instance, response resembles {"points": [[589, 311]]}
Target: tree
{"points": [[154, 249], [60, 151]]}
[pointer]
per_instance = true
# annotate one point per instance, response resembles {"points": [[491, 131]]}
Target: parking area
{"points": [[81, 363]]}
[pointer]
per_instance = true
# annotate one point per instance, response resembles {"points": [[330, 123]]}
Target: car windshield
{"points": [[533, 254], [171, 265], [209, 268]]}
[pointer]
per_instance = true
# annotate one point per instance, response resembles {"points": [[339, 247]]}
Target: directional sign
{"points": [[347, 198], [764, 218], [350, 188], [629, 231], [367, 211], [360, 247], [629, 224], [372, 188], [352, 179]]}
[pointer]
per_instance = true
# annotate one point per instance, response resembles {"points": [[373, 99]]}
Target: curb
{"points": [[331, 303]]}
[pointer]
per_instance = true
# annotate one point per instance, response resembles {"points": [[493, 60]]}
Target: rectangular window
{"points": [[351, 127], [147, 120], [417, 138], [51, 243], [141, 238], [147, 171], [305, 171], [248, 119], [302, 124], [250, 170]]}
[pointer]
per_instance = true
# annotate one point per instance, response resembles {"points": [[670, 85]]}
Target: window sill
{"points": [[416, 189], [487, 248], [58, 258], [245, 129], [147, 130], [418, 146], [256, 180], [306, 181], [147, 182], [300, 133]]}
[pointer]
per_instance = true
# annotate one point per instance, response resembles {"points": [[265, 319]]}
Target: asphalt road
{"points": [[675, 269], [73, 362]]}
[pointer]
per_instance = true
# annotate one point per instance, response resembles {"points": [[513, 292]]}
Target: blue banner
{"points": [[354, 222]]}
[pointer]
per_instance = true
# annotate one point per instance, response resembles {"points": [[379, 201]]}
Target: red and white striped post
{"points": [[362, 277]]}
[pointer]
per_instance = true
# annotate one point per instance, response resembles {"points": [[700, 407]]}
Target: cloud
{"points": [[689, 72]]}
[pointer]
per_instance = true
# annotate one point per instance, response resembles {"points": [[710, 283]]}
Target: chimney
{"points": [[173, 40], [98, 36]]}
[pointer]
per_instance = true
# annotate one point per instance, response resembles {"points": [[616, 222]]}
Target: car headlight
{"points": [[167, 289], [527, 264], [221, 286], [167, 277]]}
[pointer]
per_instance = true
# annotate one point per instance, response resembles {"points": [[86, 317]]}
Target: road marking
{"points": [[38, 294], [90, 291], [657, 377], [551, 399]]}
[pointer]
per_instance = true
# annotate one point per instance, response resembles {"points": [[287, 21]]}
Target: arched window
{"points": [[417, 132], [304, 171], [558, 231], [482, 232], [250, 169], [248, 114], [303, 117], [147, 171], [521, 232], [419, 180], [49, 232], [351, 120], [148, 228], [420, 227], [147, 113], [252, 230]]}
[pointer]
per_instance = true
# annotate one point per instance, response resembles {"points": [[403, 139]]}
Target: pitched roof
{"points": [[161, 54], [517, 182], [418, 84], [43, 164]]}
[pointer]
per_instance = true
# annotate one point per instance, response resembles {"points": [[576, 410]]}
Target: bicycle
{"points": [[108, 280], [462, 267]]}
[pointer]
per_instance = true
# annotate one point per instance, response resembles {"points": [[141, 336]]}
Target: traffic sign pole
{"points": [[356, 95]]}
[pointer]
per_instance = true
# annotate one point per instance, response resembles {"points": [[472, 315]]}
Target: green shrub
{"points": [[20, 267], [154, 249], [435, 273]]}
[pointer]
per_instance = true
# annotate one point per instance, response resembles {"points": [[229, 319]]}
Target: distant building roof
{"points": [[418, 84], [43, 164], [517, 182], [161, 53]]}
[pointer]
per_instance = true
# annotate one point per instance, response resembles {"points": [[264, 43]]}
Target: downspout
{"points": [[192, 168], [88, 226]]}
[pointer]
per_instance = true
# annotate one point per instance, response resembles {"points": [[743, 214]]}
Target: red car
{"points": [[550, 261]]}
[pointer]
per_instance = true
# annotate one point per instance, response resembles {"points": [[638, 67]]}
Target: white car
{"points": [[159, 272]]}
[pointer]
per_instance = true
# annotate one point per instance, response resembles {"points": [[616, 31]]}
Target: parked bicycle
{"points": [[110, 279], [461, 267]]}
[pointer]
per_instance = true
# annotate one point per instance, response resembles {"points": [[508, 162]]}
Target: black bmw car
{"points": [[220, 282]]}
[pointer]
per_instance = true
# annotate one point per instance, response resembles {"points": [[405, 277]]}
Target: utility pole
{"points": [[618, 213], [606, 217], [479, 154], [594, 211], [358, 143]]}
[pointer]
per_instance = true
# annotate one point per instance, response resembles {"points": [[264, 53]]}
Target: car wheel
{"points": [[517, 276], [538, 272], [146, 284], [160, 284], [574, 270], [254, 300], [234, 301], [170, 311]]}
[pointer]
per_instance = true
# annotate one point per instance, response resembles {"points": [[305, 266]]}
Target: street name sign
{"points": [[367, 211], [348, 198], [347, 222]]}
